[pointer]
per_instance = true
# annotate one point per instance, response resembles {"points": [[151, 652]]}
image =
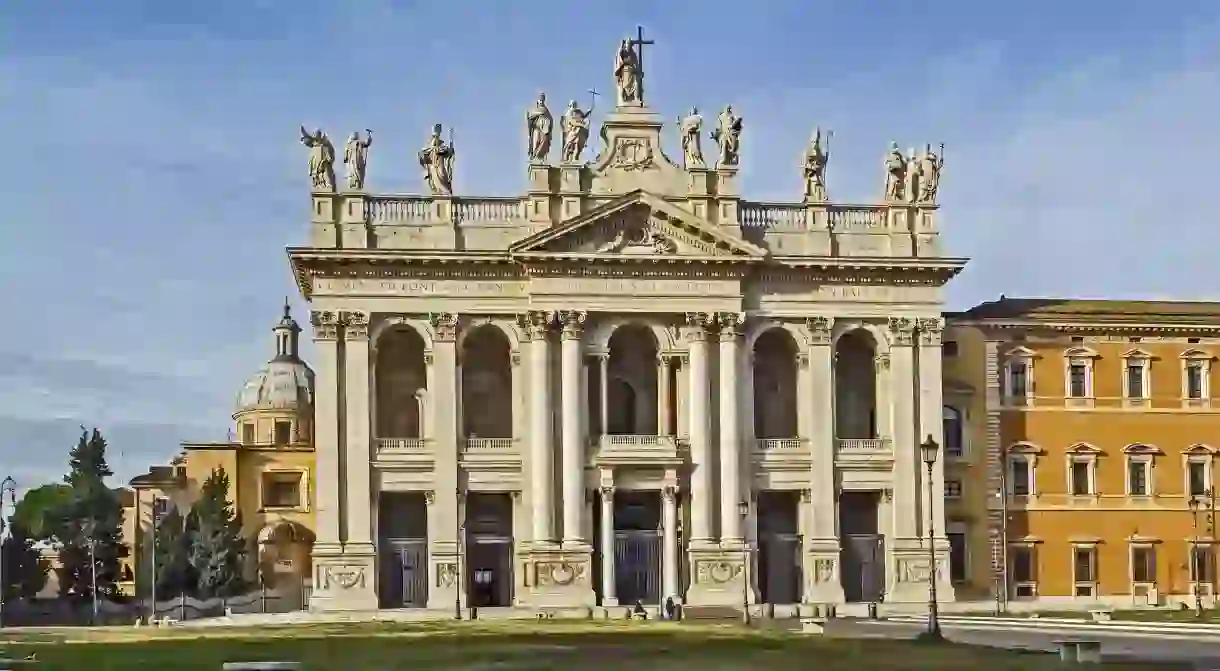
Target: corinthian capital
{"points": [[355, 325], [729, 324], [930, 329], [573, 323], [819, 330], [902, 329], [325, 324], [536, 323], [444, 326], [697, 324]]}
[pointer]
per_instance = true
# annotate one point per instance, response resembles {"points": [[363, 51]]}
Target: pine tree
{"points": [[91, 518], [218, 551], [25, 571], [175, 575]]}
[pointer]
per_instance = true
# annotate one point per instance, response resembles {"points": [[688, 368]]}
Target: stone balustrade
{"points": [[863, 444], [626, 446], [401, 445], [780, 445], [422, 210], [489, 445]]}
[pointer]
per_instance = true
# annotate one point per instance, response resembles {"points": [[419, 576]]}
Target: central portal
{"points": [[863, 549], [637, 547]]}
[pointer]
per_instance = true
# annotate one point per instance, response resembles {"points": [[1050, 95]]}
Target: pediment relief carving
{"points": [[638, 226]]}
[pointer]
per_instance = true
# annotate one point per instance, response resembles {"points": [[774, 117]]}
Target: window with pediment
{"points": [[1017, 386], [954, 428], [1021, 460], [1198, 462], [1082, 470], [1137, 378], [1078, 378], [1140, 459], [1196, 374]]}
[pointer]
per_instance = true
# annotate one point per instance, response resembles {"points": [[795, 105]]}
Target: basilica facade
{"points": [[629, 384]]}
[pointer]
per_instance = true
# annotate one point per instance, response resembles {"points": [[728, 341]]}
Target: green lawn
{"points": [[506, 646]]}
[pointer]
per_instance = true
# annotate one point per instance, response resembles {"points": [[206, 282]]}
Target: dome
{"points": [[286, 382], [280, 385]]}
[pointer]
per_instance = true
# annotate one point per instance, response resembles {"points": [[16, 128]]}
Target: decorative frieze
{"points": [[573, 323], [717, 571], [444, 326], [325, 324], [341, 576]]}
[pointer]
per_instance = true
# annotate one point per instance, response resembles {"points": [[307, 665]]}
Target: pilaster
{"points": [[572, 461], [820, 500], [358, 531], [696, 334], [931, 390], [906, 453], [728, 326], [442, 431], [538, 325]]}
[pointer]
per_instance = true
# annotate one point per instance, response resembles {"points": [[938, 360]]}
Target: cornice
{"points": [[1088, 328]]}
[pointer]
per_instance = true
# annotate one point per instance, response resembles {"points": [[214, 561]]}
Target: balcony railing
{"points": [[485, 445], [863, 444], [399, 445], [635, 445], [780, 445]]}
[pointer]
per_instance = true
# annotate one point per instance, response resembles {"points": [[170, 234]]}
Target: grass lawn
{"points": [[508, 646]]}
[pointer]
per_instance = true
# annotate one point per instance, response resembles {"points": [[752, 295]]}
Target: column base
{"points": [[909, 579], [719, 576], [345, 578], [556, 577], [823, 581]]}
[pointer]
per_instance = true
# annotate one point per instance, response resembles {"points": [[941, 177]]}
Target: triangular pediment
{"points": [[639, 224]]}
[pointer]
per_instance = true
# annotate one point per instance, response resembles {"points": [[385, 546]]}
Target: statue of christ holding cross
{"points": [[629, 70]]}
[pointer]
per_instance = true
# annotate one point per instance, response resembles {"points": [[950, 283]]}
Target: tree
{"points": [[36, 510], [218, 551], [175, 575], [89, 524], [25, 571]]}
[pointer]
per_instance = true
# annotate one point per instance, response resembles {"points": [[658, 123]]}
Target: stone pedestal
{"points": [[909, 581], [823, 583], [719, 576], [344, 579], [556, 577], [443, 582]]}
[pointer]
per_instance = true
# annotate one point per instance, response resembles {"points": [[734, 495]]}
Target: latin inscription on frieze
{"points": [[636, 287], [860, 293], [378, 287]]}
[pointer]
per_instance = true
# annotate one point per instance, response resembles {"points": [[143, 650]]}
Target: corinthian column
{"points": [[700, 427], [572, 463], [730, 438], [359, 501], [326, 429], [538, 325]]}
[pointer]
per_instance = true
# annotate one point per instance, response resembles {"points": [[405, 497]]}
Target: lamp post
{"points": [[7, 485], [929, 448], [743, 509], [460, 580], [90, 527]]}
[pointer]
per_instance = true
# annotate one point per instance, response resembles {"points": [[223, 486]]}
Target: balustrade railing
{"points": [[790, 216], [490, 444], [863, 444], [795, 217], [779, 444], [421, 210], [402, 444]]}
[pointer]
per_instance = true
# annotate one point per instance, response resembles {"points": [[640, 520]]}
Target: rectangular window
{"points": [[1018, 477], [1194, 380], [1081, 485], [1143, 564], [247, 433], [281, 490], [283, 433], [1084, 570], [1018, 379], [948, 349], [1135, 380], [1023, 568], [1137, 478], [1196, 473], [953, 489], [957, 556], [1078, 374], [1202, 564]]}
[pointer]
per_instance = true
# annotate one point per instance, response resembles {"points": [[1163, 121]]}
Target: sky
{"points": [[154, 174]]}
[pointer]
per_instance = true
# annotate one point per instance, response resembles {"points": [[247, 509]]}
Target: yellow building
{"points": [[270, 467], [1096, 417]]}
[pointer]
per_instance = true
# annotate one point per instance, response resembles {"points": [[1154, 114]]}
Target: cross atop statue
{"points": [[629, 70]]}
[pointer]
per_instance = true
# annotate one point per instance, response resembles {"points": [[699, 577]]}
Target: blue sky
{"points": [[153, 174]]}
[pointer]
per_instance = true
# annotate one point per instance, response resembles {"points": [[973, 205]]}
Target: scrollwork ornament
{"points": [[573, 322], [537, 323], [444, 326]]}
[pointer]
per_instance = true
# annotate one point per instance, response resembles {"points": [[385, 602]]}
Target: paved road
{"points": [[1204, 653]]}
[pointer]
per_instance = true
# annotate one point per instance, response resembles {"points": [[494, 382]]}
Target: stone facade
{"points": [[632, 339]]}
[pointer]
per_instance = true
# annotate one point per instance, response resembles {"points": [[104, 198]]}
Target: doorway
{"points": [[402, 548], [779, 547], [862, 553], [489, 549], [637, 547]]}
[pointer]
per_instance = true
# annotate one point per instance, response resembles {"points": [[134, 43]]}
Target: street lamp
{"points": [[90, 527], [929, 448], [1193, 503], [743, 509], [7, 485], [460, 580]]}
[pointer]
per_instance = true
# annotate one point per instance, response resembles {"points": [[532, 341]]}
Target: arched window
{"points": [[954, 431]]}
